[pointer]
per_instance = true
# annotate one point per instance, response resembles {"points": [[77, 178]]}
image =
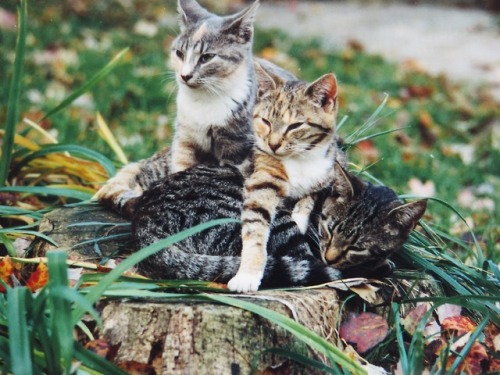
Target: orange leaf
{"points": [[38, 278], [458, 325], [475, 362], [365, 330], [99, 347], [136, 368], [6, 270]]}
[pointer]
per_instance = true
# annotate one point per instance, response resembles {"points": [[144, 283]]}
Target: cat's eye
{"points": [[265, 121], [293, 126], [206, 57], [179, 54]]}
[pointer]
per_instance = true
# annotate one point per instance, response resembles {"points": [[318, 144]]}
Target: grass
{"points": [[80, 62]]}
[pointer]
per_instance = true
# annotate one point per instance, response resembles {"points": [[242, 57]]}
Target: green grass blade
{"points": [[60, 308], [307, 336], [14, 93], [7, 242], [96, 291], [46, 190], [89, 84], [31, 233], [10, 210], [18, 311]]}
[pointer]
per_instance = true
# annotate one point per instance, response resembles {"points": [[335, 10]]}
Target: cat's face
{"points": [[210, 48], [294, 117], [364, 224]]}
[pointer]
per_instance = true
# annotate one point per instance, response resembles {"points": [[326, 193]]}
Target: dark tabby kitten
{"points": [[353, 223]]}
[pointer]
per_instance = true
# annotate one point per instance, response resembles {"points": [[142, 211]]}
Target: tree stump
{"points": [[187, 336]]}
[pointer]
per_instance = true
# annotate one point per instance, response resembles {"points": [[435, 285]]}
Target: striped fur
{"points": [[294, 156], [212, 61], [204, 193], [355, 222]]}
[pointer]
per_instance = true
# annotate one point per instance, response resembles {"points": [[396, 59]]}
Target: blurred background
{"points": [[434, 65]]}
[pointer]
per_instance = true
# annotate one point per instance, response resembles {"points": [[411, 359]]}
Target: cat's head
{"points": [[210, 48], [363, 224], [293, 117]]}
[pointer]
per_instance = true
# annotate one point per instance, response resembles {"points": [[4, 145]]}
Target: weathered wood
{"points": [[185, 336]]}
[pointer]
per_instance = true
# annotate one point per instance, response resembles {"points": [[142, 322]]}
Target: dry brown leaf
{"points": [[364, 330]]}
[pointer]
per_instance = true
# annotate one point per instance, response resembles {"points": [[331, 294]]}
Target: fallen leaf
{"points": [[99, 347], [413, 318], [38, 279], [367, 292], [458, 325], [448, 310], [6, 270], [365, 330], [417, 187], [136, 368], [475, 362]]}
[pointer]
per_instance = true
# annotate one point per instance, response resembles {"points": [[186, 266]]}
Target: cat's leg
{"points": [[264, 190], [302, 211], [130, 182], [184, 149]]}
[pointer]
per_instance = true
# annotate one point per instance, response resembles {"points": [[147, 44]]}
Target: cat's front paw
{"points": [[244, 282], [301, 220]]}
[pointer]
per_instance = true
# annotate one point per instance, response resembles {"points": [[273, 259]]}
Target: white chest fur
{"points": [[199, 109], [307, 175]]}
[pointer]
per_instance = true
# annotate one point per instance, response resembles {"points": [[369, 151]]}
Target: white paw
{"points": [[301, 220], [244, 282]]}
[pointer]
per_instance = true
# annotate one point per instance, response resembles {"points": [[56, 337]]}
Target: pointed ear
{"points": [[323, 92], [407, 215], [266, 80], [345, 184], [241, 24], [190, 12]]}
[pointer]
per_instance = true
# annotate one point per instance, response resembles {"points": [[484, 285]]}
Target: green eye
{"points": [[206, 57]]}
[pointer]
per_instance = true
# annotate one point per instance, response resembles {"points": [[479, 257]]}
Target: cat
{"points": [[212, 60], [294, 156], [354, 227]]}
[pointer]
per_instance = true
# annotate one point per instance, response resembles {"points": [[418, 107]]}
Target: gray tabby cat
{"points": [[354, 227], [212, 59]]}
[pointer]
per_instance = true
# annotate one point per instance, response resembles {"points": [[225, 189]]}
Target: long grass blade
{"points": [[89, 84], [18, 311], [96, 292], [60, 308], [48, 190], [110, 139], [14, 93], [305, 335]]}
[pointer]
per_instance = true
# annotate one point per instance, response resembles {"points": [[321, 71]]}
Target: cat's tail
{"points": [[280, 272]]}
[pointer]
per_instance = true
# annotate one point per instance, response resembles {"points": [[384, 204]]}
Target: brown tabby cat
{"points": [[294, 156]]}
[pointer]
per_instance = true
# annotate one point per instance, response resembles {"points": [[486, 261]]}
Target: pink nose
{"points": [[274, 147]]}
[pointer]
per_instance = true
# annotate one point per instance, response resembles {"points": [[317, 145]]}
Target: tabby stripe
{"points": [[266, 185], [318, 126], [319, 138], [266, 215]]}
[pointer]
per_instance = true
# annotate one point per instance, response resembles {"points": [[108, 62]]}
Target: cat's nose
{"points": [[186, 77], [274, 146]]}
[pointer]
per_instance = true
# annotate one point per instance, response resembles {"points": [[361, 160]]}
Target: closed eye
{"points": [[354, 248], [266, 121], [179, 54], [293, 126], [206, 57]]}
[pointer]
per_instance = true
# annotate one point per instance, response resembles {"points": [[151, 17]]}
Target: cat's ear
{"points": [[346, 185], [323, 92], [266, 81], [407, 215], [241, 24], [190, 12]]}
